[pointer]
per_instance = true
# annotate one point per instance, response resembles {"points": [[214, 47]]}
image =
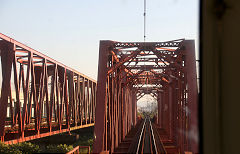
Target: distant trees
{"points": [[149, 110]]}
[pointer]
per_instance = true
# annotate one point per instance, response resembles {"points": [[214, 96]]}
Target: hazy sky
{"points": [[69, 30]]}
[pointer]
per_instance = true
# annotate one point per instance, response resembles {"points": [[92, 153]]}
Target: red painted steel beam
{"points": [[148, 67], [110, 70], [192, 94], [7, 55], [101, 106]]}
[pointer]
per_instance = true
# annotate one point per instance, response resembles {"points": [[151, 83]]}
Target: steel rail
{"points": [[158, 138], [139, 141], [153, 138]]}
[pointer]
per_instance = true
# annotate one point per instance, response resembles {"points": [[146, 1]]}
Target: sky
{"points": [[69, 31]]}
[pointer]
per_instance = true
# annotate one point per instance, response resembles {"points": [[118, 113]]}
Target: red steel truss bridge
{"points": [[130, 70], [41, 97]]}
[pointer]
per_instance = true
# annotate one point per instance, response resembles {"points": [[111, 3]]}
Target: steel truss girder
{"points": [[46, 98], [118, 90]]}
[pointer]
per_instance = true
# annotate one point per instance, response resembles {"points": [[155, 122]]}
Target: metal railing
{"points": [[77, 149]]}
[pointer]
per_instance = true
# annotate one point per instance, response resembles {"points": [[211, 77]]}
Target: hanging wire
{"points": [[144, 38], [144, 16], [144, 26]]}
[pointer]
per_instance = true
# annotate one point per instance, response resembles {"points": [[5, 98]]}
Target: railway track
{"points": [[147, 140]]}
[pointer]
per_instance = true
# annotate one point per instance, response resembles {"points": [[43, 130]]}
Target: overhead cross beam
{"points": [[120, 63]]}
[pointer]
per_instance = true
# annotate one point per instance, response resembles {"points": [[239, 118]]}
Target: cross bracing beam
{"points": [[147, 67], [174, 43]]}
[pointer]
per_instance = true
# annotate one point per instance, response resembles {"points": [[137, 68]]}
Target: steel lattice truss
{"points": [[42, 96], [129, 70]]}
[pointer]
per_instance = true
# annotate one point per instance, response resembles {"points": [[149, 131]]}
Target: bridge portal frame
{"points": [[116, 114]]}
